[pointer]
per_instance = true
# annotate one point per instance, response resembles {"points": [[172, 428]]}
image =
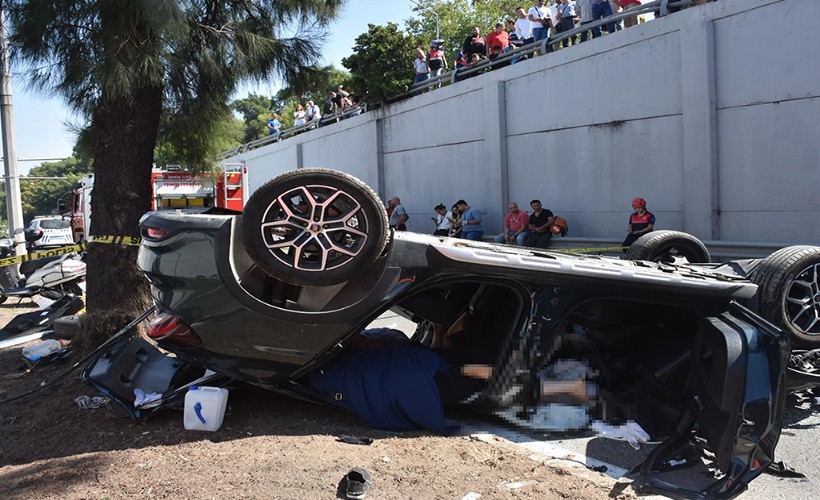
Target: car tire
{"points": [[668, 246], [789, 292], [340, 230], [3, 298]]}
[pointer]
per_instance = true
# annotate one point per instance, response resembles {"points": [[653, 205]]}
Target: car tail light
{"points": [[155, 233], [168, 329]]}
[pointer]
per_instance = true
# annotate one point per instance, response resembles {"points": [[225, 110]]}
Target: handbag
{"points": [[559, 226]]}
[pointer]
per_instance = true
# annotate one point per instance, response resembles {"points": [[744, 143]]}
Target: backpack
{"points": [[559, 226]]}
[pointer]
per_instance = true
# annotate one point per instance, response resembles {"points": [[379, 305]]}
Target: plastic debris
{"points": [[520, 484], [781, 469], [142, 400], [91, 403], [471, 496], [44, 349], [631, 432]]}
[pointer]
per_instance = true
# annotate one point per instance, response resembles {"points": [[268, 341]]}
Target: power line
{"points": [[38, 159]]}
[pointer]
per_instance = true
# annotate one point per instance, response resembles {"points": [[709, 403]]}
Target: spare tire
{"points": [[789, 292], [672, 247], [314, 227]]}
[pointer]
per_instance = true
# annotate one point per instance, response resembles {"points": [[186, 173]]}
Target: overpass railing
{"points": [[288, 132], [659, 8]]}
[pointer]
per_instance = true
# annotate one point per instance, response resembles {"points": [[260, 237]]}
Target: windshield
{"points": [[55, 224]]}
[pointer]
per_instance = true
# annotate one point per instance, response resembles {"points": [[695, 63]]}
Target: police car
{"points": [[49, 232]]}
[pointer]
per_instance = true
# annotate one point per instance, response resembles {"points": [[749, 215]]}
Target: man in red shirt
{"points": [[497, 37], [516, 224]]}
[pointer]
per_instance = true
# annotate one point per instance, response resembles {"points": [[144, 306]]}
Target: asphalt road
{"points": [[799, 445]]}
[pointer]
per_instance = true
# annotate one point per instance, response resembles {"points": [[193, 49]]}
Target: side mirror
{"points": [[33, 235], [63, 203]]}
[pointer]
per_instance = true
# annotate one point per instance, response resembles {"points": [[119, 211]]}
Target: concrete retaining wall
{"points": [[696, 112]]}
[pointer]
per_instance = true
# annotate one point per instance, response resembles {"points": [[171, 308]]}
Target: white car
{"points": [[49, 232]]}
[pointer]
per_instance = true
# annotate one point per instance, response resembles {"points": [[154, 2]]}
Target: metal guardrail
{"points": [[721, 251], [659, 7], [288, 132]]}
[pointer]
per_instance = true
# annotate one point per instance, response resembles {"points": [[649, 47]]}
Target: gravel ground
{"points": [[269, 446]]}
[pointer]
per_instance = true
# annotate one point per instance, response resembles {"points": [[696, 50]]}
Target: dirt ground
{"points": [[268, 447]]}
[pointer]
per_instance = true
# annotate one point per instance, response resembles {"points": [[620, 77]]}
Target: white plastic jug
{"points": [[205, 408]]}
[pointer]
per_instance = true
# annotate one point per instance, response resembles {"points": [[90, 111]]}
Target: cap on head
{"points": [[639, 203]]}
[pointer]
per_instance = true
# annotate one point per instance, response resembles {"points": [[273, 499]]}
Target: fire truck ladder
{"points": [[235, 183]]}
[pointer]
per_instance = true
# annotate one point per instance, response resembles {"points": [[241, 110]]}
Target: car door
{"points": [[736, 397]]}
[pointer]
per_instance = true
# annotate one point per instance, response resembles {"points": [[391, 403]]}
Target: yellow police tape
{"points": [[133, 241], [587, 250], [79, 247]]}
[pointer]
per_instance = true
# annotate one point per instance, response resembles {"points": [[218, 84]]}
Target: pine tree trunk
{"points": [[124, 135]]}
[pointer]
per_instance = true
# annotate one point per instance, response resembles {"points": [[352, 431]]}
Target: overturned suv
{"points": [[270, 295]]}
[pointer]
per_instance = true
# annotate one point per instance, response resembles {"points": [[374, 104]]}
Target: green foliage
{"points": [[311, 84], [255, 111], [381, 65], [194, 53], [457, 18], [227, 132], [314, 84], [40, 196]]}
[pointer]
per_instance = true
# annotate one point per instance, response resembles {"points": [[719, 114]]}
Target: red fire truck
{"points": [[173, 187]]}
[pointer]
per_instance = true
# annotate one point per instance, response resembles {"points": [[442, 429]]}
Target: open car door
{"points": [[736, 430]]}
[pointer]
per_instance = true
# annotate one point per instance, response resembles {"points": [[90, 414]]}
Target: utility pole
{"points": [[14, 204]]}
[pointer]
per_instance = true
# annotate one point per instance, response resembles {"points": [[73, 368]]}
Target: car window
{"points": [[55, 224]]}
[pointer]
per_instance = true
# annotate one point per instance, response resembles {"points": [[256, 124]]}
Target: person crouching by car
{"points": [[394, 384], [640, 222], [442, 220]]}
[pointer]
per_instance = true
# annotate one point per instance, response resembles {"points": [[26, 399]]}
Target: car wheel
{"points": [[672, 247], [789, 292], [314, 227]]}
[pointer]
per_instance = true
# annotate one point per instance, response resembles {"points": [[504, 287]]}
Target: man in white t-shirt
{"points": [[539, 16], [523, 26], [420, 68], [313, 113]]}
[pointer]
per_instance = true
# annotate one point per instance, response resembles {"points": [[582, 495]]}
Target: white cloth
{"points": [[314, 113], [420, 65], [631, 432], [539, 12], [523, 28], [298, 118], [554, 15], [443, 221]]}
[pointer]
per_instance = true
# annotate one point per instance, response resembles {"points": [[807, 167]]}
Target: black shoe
{"points": [[358, 482]]}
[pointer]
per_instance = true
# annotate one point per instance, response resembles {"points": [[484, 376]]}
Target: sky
{"points": [[40, 121]]}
